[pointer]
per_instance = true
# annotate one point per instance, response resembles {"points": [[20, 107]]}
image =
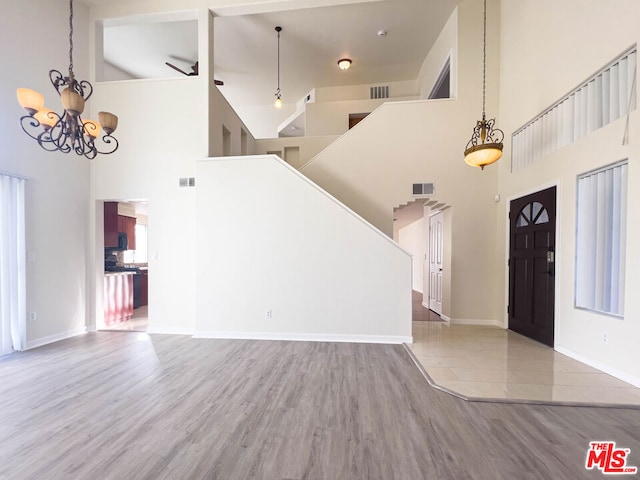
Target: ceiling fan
{"points": [[193, 73]]}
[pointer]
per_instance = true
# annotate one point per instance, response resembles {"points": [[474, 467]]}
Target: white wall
{"points": [[414, 240], [309, 146], [263, 120], [57, 189], [532, 63], [332, 118], [147, 166], [165, 125], [223, 115], [400, 89], [268, 239]]}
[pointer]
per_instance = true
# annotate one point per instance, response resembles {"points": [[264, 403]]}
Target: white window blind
{"points": [[12, 264], [601, 239], [603, 98]]}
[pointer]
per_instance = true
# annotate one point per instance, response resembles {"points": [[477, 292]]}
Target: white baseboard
{"points": [[487, 322], [39, 342], [614, 372], [170, 330], [303, 337], [445, 318]]}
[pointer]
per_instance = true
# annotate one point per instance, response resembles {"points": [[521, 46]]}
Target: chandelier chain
{"points": [[71, 36], [484, 61]]}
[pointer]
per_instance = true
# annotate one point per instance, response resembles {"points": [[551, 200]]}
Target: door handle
{"points": [[551, 258]]}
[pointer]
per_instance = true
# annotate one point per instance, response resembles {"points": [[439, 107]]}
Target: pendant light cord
{"points": [[484, 62], [278, 61], [71, 37]]}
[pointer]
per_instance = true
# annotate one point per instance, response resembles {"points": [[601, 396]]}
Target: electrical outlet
{"points": [[605, 337], [269, 313], [32, 316]]}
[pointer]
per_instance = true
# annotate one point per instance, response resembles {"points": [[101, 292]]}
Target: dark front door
{"points": [[531, 265]]}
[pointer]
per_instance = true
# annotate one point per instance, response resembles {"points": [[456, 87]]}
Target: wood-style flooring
{"points": [[116, 405]]}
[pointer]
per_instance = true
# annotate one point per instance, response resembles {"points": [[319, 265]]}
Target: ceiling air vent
{"points": [[422, 189], [379, 92]]}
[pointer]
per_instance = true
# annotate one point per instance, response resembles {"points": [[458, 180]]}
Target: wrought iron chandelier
{"points": [[485, 146], [68, 132], [278, 102]]}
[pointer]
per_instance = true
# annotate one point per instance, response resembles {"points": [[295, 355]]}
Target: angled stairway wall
{"points": [[278, 258]]}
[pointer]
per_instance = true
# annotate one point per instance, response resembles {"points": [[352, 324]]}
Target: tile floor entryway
{"points": [[494, 363]]}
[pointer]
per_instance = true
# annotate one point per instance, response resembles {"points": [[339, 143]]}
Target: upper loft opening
{"points": [[442, 86], [149, 47]]}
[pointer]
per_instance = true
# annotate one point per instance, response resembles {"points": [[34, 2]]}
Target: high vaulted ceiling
{"points": [[312, 41]]}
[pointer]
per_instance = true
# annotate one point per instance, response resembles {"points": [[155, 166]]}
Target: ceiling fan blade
{"points": [[176, 68], [194, 72]]}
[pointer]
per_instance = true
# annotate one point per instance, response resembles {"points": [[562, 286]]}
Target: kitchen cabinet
{"points": [[128, 226], [118, 297], [111, 224], [144, 293], [140, 289]]}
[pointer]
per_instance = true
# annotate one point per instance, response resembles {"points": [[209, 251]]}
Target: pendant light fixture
{"points": [[278, 102], [485, 146], [68, 132]]}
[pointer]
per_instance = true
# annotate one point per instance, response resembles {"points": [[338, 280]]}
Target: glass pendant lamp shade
{"points": [[47, 118], [485, 146], [91, 128], [30, 100], [109, 122], [72, 101], [483, 155]]}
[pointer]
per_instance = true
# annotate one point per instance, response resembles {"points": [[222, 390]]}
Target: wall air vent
{"points": [[379, 92], [187, 182], [423, 189]]}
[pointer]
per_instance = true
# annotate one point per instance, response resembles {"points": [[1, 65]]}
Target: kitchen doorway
{"points": [[126, 274]]}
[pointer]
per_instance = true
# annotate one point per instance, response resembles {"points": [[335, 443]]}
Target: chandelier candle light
{"points": [[485, 146], [69, 131]]}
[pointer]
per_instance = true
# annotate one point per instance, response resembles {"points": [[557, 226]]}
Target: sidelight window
{"points": [[601, 239]]}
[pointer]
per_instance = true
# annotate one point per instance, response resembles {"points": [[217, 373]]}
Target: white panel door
{"points": [[435, 262]]}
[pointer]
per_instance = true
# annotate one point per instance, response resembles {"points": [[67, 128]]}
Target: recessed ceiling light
{"points": [[344, 63], [382, 33]]}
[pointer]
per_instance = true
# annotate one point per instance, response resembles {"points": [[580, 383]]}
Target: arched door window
{"points": [[532, 213]]}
